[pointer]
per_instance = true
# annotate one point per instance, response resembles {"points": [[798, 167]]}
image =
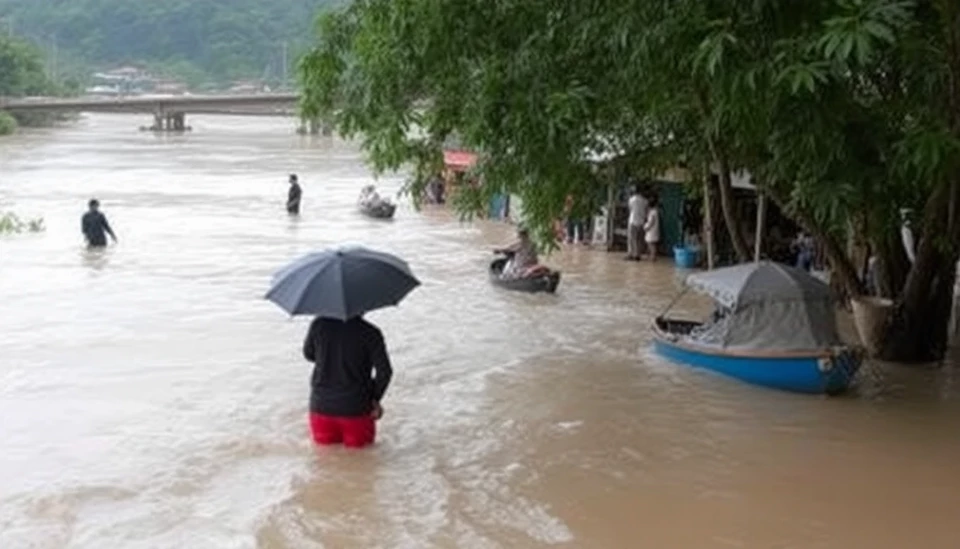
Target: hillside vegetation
{"points": [[22, 73], [196, 39]]}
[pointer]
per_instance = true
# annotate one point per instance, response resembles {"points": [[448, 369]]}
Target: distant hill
{"points": [[198, 40]]}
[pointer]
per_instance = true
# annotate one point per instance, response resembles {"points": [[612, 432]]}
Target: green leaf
{"points": [[879, 31], [845, 47]]}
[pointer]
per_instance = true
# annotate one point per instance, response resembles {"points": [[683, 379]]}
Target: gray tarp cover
{"points": [[769, 306]]}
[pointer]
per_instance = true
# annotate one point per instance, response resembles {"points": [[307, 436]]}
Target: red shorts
{"points": [[353, 432]]}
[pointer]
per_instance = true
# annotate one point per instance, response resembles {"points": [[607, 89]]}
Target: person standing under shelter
{"points": [[95, 226], [576, 221], [651, 228], [294, 196], [350, 376], [637, 206], [435, 190], [803, 247]]}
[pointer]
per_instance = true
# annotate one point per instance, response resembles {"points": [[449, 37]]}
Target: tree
{"points": [[21, 69], [21, 73], [845, 111], [868, 127], [8, 124]]}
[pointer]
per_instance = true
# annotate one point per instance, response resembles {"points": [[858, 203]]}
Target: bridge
{"points": [[169, 112]]}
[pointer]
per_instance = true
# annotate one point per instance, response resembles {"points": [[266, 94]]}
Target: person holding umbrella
{"points": [[352, 368], [350, 375]]}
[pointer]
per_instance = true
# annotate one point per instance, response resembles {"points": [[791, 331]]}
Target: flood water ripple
{"points": [[150, 398]]}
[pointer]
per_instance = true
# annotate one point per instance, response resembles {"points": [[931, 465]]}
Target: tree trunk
{"points": [[858, 247], [892, 265], [719, 153], [918, 329], [740, 245], [841, 268], [917, 332]]}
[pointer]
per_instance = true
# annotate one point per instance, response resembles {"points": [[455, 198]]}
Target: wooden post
{"points": [[761, 223], [708, 220]]}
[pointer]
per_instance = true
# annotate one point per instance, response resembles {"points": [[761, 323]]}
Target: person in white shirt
{"points": [[651, 229], [369, 197], [524, 261], [638, 217], [906, 235]]}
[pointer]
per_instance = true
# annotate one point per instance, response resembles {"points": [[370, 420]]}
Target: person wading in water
{"points": [[95, 227], [294, 196], [350, 375]]}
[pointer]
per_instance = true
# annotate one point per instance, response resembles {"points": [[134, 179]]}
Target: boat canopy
{"points": [[766, 306]]}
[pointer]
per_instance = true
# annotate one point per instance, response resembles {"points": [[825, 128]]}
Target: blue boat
{"points": [[775, 326]]}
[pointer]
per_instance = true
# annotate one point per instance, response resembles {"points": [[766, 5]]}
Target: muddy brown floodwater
{"points": [[150, 399]]}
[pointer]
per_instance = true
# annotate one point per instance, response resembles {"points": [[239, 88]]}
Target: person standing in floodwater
{"points": [[95, 227], [637, 206], [294, 196], [803, 247], [350, 376], [651, 228]]}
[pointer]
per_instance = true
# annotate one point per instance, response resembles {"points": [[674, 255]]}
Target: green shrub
{"points": [[8, 124], [10, 223]]}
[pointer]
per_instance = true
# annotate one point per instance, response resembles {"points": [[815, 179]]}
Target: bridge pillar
{"points": [[315, 126], [177, 122], [169, 122]]}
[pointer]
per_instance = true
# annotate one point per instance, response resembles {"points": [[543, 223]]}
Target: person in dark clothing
{"points": [[294, 196], [578, 220], [351, 373], [95, 227], [439, 188], [435, 190]]}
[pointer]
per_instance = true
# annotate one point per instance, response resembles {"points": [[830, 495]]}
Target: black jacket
{"points": [[293, 198], [352, 369], [95, 228]]}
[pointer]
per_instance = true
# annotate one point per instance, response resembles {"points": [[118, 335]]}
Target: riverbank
{"points": [[10, 124]]}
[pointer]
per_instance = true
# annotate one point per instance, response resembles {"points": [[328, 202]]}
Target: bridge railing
{"points": [[145, 102]]}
